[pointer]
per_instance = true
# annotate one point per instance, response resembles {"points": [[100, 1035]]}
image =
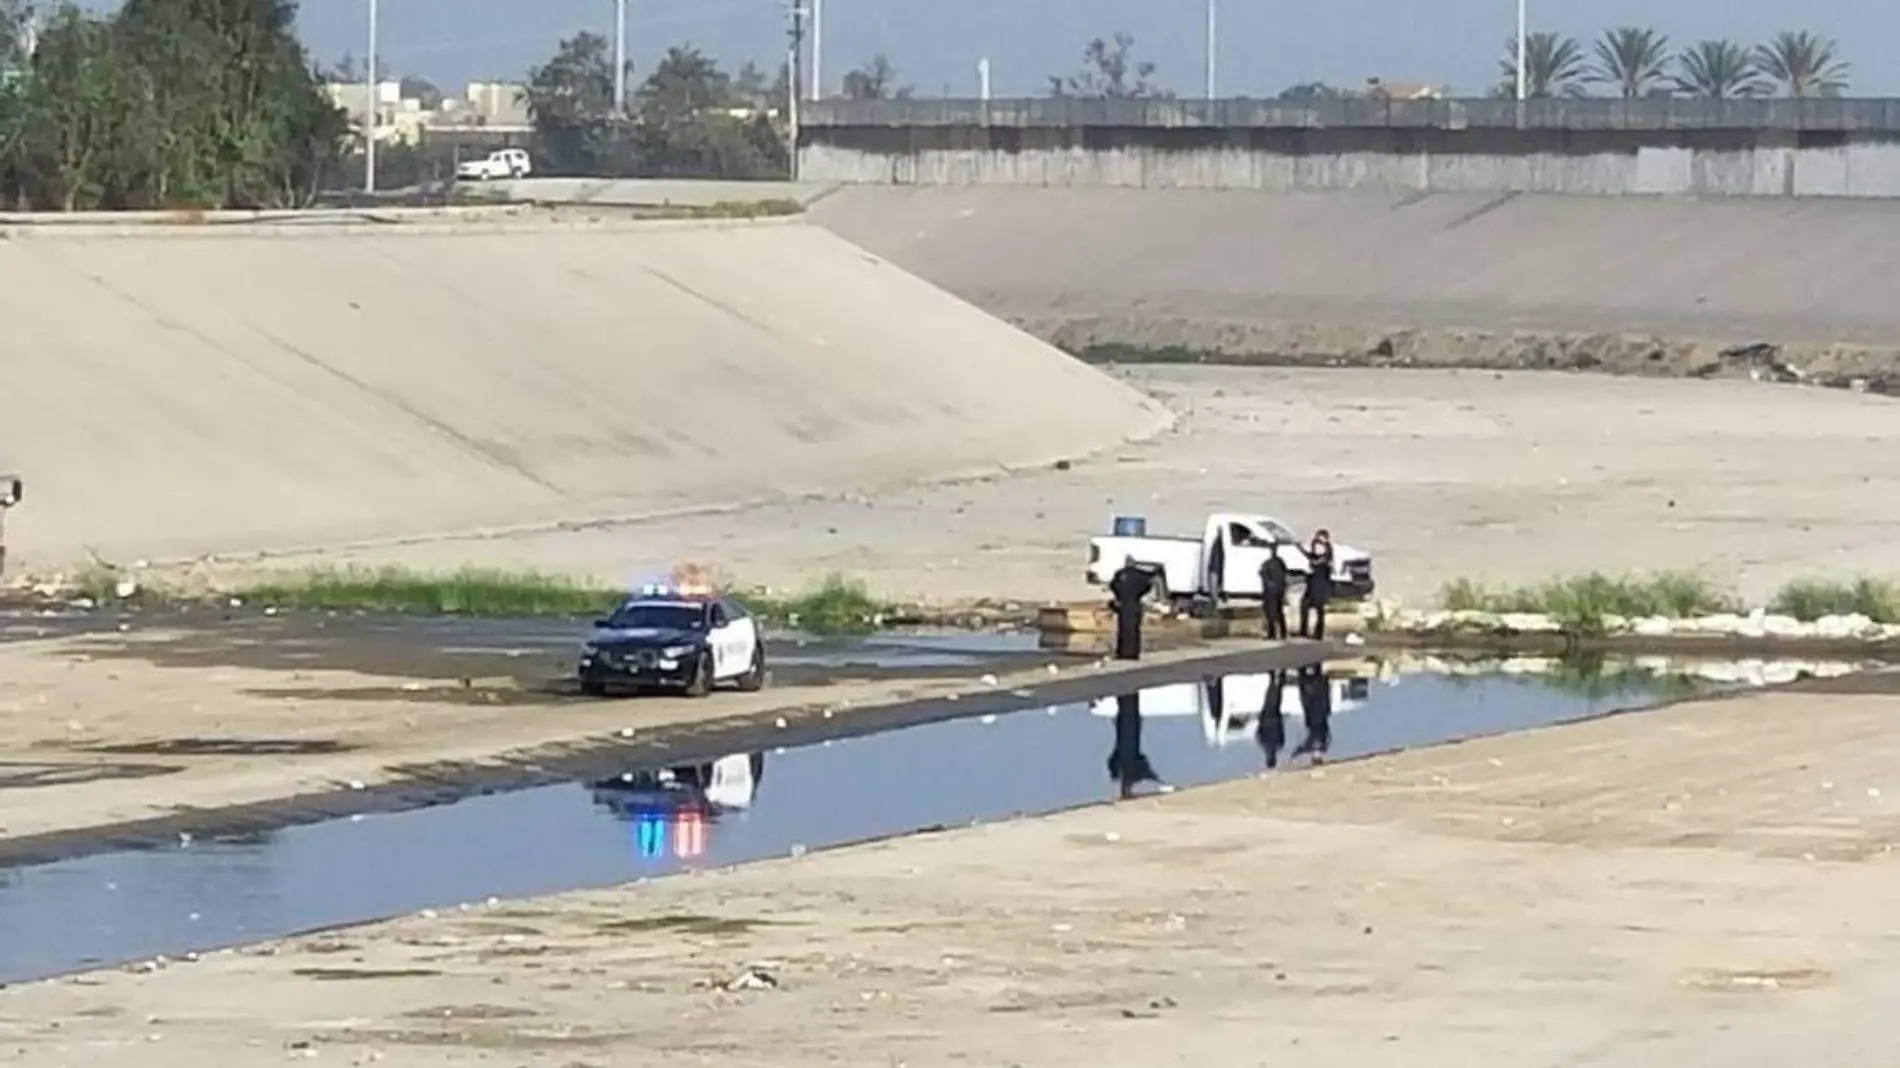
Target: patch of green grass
{"points": [[1122, 352], [1810, 599], [466, 592], [838, 605], [1580, 603]]}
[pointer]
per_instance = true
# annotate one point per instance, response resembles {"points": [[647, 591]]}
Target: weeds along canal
{"points": [[111, 908]]}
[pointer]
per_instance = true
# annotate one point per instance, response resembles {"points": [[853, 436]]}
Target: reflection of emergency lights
{"points": [[688, 833]]}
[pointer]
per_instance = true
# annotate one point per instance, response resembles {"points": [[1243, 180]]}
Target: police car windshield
{"points": [[657, 615]]}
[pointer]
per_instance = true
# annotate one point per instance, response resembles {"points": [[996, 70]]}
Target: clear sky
{"points": [[1266, 45]]}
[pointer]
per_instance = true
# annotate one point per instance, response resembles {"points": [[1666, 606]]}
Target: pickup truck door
{"points": [[1246, 544]]}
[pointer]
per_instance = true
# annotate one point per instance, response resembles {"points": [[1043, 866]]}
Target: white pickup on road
{"points": [[1181, 563], [499, 164]]}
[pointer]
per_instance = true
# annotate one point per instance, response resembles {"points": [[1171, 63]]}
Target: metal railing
{"points": [[1651, 113]]}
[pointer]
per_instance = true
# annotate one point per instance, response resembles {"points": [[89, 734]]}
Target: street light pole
{"points": [[1523, 37], [620, 56], [369, 109], [1213, 46], [817, 86]]}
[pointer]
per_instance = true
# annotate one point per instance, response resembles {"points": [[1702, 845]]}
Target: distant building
{"points": [[490, 113], [1382, 89]]}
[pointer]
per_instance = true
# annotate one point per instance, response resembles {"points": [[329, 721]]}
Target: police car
{"points": [[689, 639]]}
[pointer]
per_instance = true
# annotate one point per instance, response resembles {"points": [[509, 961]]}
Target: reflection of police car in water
{"points": [[684, 639], [671, 809], [1228, 707]]}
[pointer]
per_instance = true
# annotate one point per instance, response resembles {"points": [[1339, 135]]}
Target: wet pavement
{"points": [[110, 908], [537, 653]]}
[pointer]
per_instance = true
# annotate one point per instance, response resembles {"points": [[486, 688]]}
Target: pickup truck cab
{"points": [[1180, 563], [499, 164]]}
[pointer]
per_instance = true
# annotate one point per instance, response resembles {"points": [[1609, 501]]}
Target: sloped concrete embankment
{"points": [[1785, 289], [178, 391]]}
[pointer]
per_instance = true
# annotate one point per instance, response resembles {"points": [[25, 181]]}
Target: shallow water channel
{"points": [[110, 908]]}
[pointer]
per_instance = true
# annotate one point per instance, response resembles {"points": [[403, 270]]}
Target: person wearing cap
{"points": [[1273, 583], [1319, 587], [1130, 583]]}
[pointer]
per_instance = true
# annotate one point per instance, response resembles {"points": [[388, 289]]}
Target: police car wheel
{"points": [[754, 678], [702, 683]]}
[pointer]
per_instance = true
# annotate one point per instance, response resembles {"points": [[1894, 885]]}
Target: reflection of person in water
{"points": [[1127, 764], [1270, 729], [1316, 707]]}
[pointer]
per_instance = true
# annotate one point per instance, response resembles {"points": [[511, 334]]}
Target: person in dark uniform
{"points": [[1319, 587], [1270, 730], [1126, 589], [1127, 764], [1316, 708], [1273, 582], [1217, 567]]}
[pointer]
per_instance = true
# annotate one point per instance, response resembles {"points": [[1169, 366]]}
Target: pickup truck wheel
{"points": [[593, 687], [754, 678], [702, 683]]}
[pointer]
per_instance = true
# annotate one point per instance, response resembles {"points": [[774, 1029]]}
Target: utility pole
{"points": [[983, 79], [1213, 45], [370, 109], [817, 49], [620, 57], [795, 79]]}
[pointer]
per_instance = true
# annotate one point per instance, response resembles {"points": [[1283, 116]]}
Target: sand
{"points": [[1705, 885], [178, 391], [1503, 477]]}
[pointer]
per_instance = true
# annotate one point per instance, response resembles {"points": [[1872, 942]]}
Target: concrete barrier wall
{"points": [[1715, 163], [1839, 148], [181, 391]]}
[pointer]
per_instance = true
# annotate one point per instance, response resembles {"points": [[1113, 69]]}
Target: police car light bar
{"points": [[663, 589]]}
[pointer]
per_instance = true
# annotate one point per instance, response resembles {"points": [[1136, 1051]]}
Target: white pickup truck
{"points": [[1180, 564], [499, 164]]}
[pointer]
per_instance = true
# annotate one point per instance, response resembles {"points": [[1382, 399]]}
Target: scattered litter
{"points": [[750, 979], [798, 849], [626, 732], [357, 784], [1054, 670], [1873, 791], [780, 723], [1112, 836], [1355, 639], [989, 719], [828, 713], [988, 680]]}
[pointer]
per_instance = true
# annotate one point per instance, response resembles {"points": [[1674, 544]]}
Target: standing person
{"points": [[1126, 588], [1273, 583], [1217, 566], [1319, 587]]}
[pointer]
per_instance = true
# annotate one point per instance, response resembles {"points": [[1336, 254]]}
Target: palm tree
{"points": [[1803, 64], [1635, 59], [1718, 70], [1553, 66]]}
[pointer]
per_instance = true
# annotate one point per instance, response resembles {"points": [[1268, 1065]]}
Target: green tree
{"points": [[249, 120], [1632, 59], [1553, 66], [1803, 65], [876, 79], [690, 118], [571, 103], [74, 95], [1109, 72], [1310, 92], [1718, 70]]}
